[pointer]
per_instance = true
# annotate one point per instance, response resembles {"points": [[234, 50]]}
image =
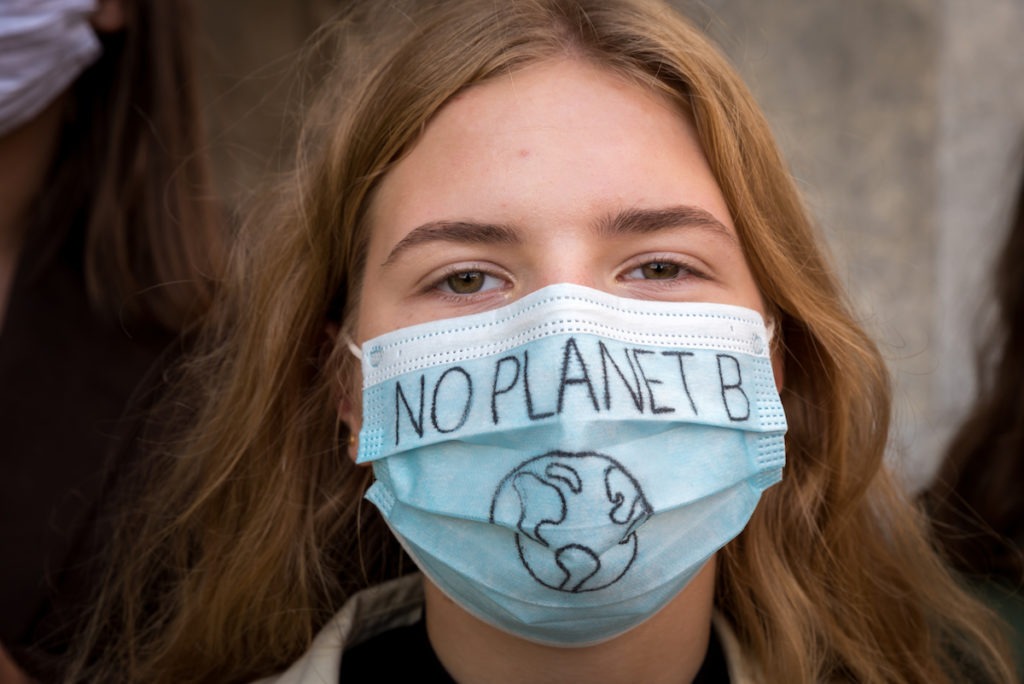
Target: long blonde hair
{"points": [[254, 532]]}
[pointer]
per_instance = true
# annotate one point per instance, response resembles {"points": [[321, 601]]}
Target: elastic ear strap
{"points": [[352, 346]]}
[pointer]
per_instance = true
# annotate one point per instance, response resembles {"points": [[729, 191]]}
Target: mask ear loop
{"points": [[353, 348]]}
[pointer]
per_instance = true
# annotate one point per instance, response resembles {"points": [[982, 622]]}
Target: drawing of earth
{"points": [[576, 517]]}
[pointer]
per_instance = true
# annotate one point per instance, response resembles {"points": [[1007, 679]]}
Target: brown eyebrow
{"points": [[626, 222], [456, 231], [640, 221]]}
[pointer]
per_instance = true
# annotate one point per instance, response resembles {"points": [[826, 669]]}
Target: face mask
{"points": [[44, 46], [561, 467]]}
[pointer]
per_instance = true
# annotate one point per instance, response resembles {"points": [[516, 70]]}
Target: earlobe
{"points": [[776, 352], [778, 364], [353, 446], [346, 378], [348, 416], [109, 16]]}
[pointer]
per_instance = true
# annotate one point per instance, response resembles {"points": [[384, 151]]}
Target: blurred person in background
{"points": [[109, 244], [977, 499]]}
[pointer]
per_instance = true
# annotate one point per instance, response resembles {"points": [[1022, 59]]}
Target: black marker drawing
{"points": [[576, 517], [732, 388]]}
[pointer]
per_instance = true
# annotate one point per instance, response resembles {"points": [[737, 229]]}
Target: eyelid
{"points": [[692, 266], [432, 282]]}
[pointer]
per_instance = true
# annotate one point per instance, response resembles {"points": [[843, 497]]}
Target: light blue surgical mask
{"points": [[561, 467]]}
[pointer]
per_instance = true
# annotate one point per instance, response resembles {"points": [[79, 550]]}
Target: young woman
{"points": [[560, 238], [109, 242]]}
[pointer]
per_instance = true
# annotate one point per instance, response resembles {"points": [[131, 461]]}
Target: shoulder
{"points": [[396, 603]]}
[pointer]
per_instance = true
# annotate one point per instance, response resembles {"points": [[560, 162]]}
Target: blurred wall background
{"points": [[903, 121]]}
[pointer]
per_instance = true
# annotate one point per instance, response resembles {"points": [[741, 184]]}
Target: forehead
{"points": [[559, 137]]}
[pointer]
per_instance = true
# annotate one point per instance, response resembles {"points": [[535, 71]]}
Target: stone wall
{"points": [[903, 122]]}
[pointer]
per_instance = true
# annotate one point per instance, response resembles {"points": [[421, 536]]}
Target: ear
{"points": [[109, 16], [350, 417], [347, 392], [778, 356]]}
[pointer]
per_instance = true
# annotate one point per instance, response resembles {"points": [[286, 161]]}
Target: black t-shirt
{"points": [[391, 655]]}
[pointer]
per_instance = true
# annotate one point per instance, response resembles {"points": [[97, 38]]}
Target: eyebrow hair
{"points": [[626, 222], [641, 221], [455, 231]]}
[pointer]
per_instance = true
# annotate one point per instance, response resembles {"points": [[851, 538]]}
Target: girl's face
{"points": [[561, 172]]}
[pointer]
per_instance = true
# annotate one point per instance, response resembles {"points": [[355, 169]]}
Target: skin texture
{"points": [[538, 169], [109, 16]]}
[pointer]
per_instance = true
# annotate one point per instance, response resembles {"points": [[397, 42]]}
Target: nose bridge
{"points": [[568, 255]]}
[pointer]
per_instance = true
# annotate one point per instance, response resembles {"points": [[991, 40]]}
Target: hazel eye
{"points": [[657, 270], [469, 282]]}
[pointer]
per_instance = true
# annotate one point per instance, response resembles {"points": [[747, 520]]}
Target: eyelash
{"points": [[434, 285], [686, 271]]}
